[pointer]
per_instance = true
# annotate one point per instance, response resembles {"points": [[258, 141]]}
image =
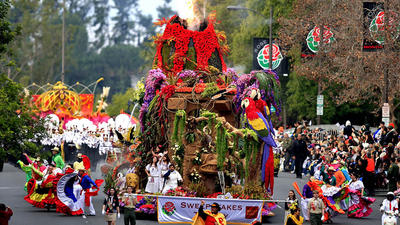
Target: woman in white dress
{"points": [[153, 173], [163, 164], [171, 179]]}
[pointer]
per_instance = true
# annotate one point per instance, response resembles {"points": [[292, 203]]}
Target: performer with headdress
{"points": [[294, 217], [82, 161]]}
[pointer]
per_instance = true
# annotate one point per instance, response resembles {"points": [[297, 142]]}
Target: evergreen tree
{"points": [[124, 24], [100, 22]]}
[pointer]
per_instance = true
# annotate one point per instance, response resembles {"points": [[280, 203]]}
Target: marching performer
{"points": [[390, 210]]}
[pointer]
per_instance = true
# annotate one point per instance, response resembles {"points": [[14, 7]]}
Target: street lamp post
{"points": [[271, 11]]}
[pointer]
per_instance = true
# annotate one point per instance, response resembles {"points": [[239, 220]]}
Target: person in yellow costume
{"points": [[207, 217], [294, 217]]}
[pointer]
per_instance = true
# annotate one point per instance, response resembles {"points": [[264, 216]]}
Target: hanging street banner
{"points": [[261, 57], [312, 42], [172, 209]]}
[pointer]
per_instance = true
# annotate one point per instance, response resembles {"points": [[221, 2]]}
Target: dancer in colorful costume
{"points": [[207, 217], [87, 191], [331, 196], [261, 126], [28, 172], [57, 159], [69, 193], [41, 193], [358, 204]]}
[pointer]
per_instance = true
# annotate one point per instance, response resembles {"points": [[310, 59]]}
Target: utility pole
{"points": [[63, 44], [271, 11], [321, 52]]}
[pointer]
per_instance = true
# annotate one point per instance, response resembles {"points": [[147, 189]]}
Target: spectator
{"points": [[348, 129], [391, 136], [300, 152], [5, 214], [369, 175], [393, 175]]}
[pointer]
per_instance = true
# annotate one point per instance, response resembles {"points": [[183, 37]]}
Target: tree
{"points": [[19, 125], [101, 10], [123, 22], [342, 65]]}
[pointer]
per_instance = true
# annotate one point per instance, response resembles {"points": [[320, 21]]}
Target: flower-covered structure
{"points": [[192, 108]]}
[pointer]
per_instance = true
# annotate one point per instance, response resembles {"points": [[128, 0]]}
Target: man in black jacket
{"points": [[300, 152]]}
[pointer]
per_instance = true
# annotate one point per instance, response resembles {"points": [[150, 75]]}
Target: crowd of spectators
{"points": [[373, 155]]}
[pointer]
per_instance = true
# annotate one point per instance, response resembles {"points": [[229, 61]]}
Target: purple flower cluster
{"points": [[154, 81], [231, 73], [246, 82], [187, 74], [147, 201], [243, 84]]}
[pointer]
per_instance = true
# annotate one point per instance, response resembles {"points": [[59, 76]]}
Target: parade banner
{"points": [[261, 57], [172, 209], [373, 13]]}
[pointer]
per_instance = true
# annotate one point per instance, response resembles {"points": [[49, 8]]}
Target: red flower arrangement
{"points": [[205, 43]]}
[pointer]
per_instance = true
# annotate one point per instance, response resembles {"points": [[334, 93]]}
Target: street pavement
{"points": [[12, 194]]}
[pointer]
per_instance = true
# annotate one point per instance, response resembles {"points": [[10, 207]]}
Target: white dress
{"points": [[172, 182], [153, 183], [163, 169], [389, 206]]}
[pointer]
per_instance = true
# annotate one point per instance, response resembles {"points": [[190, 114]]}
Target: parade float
{"points": [[214, 124], [76, 123]]}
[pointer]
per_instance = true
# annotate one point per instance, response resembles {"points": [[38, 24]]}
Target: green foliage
{"points": [[221, 145], [190, 137], [210, 115], [210, 90], [7, 33], [109, 182], [120, 101], [17, 122], [179, 126]]}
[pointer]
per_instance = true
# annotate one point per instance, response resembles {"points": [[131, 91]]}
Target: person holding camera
{"points": [[5, 214], [130, 202]]}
